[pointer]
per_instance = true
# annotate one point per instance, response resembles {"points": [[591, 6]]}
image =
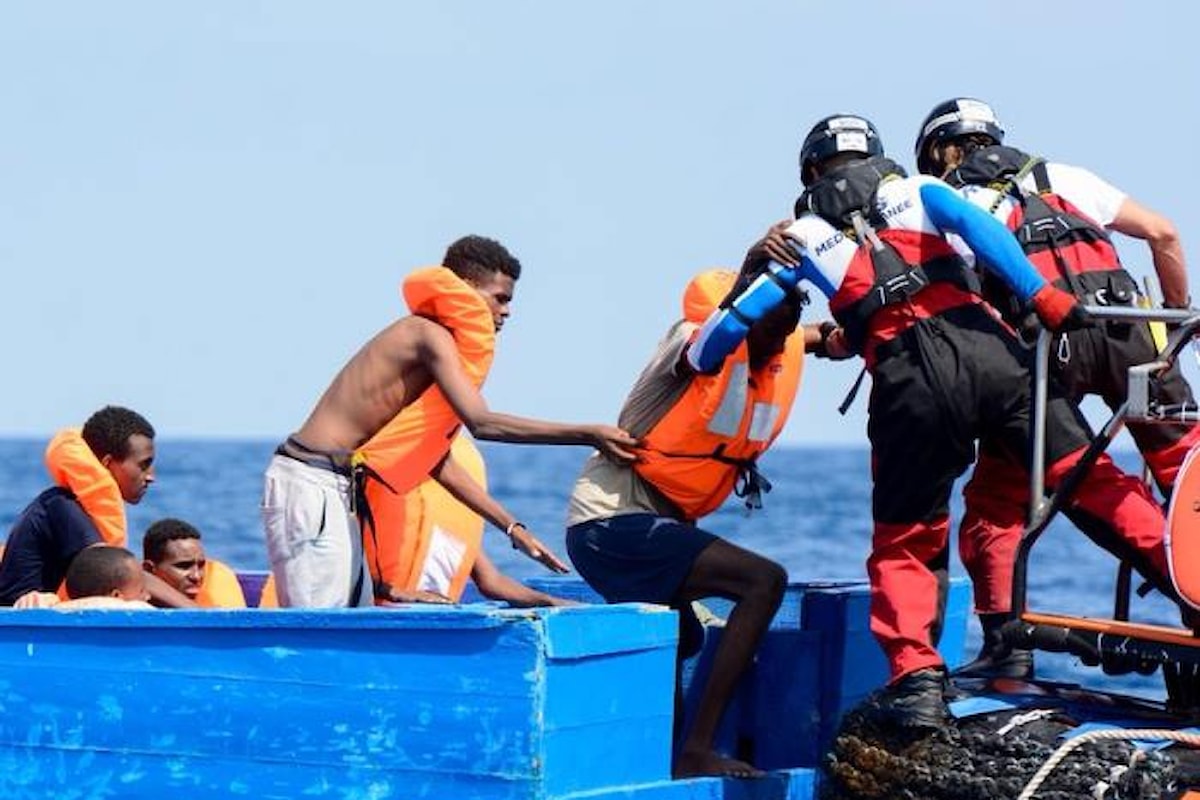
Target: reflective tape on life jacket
{"points": [[73, 465], [401, 455], [709, 440]]}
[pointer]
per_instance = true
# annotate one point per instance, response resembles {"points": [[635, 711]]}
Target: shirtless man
{"points": [[309, 503]]}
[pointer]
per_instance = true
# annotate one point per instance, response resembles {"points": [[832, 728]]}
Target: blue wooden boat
{"points": [[474, 701], [469, 702]]}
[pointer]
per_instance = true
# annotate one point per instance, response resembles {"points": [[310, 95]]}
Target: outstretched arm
{"points": [[459, 483], [495, 585], [1159, 233], [762, 285], [441, 358], [993, 243], [999, 252]]}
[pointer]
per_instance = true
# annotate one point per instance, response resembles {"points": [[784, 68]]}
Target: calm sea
{"points": [[816, 521]]}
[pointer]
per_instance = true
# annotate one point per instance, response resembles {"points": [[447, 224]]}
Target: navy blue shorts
{"points": [[636, 557]]}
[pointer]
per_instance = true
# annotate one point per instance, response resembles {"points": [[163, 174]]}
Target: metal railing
{"points": [[1139, 405]]}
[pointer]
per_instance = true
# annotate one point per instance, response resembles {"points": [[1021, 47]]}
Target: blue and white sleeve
{"points": [[727, 326], [993, 243]]}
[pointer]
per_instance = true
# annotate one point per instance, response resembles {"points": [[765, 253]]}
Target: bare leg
{"points": [[756, 585]]}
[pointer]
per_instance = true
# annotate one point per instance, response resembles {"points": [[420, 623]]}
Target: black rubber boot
{"points": [[996, 659], [915, 701]]}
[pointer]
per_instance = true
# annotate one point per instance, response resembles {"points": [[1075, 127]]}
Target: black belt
{"points": [[337, 462]]}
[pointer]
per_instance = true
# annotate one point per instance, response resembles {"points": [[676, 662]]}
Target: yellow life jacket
{"points": [[401, 455], [73, 465], [721, 423]]}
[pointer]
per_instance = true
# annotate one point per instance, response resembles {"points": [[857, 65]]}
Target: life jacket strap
{"points": [[362, 473], [750, 484], [848, 400], [1012, 182]]}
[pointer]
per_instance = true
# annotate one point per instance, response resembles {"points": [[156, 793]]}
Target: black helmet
{"points": [[840, 133], [952, 118]]}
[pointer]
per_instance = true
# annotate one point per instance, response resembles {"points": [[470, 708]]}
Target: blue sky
{"points": [[205, 208]]}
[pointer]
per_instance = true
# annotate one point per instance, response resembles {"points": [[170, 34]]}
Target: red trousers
{"points": [[997, 502], [948, 382]]}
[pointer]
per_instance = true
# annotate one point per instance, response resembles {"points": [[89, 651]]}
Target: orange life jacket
{"points": [[221, 588], [401, 455], [428, 540], [269, 598], [74, 466], [721, 423]]}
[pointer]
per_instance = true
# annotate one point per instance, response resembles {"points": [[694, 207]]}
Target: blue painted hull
{"points": [[465, 702]]}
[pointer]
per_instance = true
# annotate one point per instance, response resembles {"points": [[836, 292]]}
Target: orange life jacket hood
{"points": [[407, 448], [73, 465]]}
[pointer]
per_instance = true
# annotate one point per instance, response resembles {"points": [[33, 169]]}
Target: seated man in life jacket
{"points": [[427, 368], [96, 470], [705, 407], [173, 552], [1062, 216], [946, 374]]}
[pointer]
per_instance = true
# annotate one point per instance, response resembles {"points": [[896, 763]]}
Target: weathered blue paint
{"points": [[817, 659], [473, 701], [852, 663], [462, 702], [784, 722]]}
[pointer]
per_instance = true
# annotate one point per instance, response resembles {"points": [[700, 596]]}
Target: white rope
{"points": [[1150, 734], [1024, 719]]}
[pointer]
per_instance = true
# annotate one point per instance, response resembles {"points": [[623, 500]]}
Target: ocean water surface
{"points": [[816, 521]]}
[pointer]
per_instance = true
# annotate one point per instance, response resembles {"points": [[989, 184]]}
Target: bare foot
{"points": [[708, 764]]}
